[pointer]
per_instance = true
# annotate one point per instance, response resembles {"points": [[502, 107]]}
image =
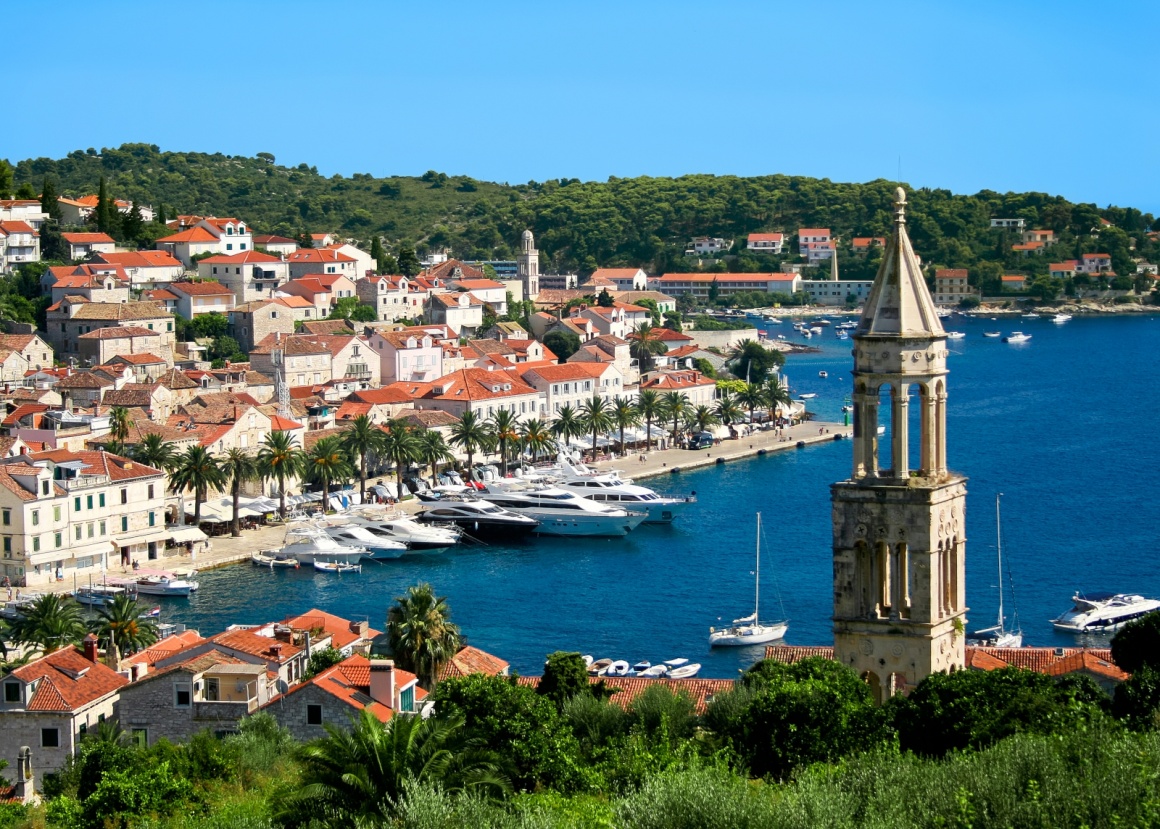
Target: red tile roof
{"points": [[194, 234], [342, 631], [140, 259], [350, 682], [470, 660], [68, 681], [166, 648], [200, 289], [243, 258], [950, 273], [252, 643], [318, 255], [115, 467], [88, 238]]}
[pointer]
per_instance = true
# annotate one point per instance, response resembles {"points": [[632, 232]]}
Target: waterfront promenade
{"points": [[227, 550]]}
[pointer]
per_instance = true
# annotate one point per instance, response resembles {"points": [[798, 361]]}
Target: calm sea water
{"points": [[1063, 426]]}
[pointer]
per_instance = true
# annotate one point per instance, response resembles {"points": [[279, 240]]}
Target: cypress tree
{"points": [[408, 262], [161, 219], [48, 199], [132, 223], [102, 212], [379, 254], [5, 179]]}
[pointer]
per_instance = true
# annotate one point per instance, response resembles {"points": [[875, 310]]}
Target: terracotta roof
{"points": [[200, 289], [566, 371], [479, 384], [790, 654], [452, 300], [88, 238], [727, 277], [18, 227], [175, 379], [117, 311], [700, 691], [342, 631], [676, 380], [273, 240], [445, 270], [617, 273], [478, 284], [318, 255], [350, 681], [115, 467], [68, 681], [194, 234], [165, 648], [160, 295], [950, 273], [766, 237], [83, 380], [869, 241], [140, 259], [384, 396], [470, 660], [326, 327], [813, 231], [136, 359], [252, 643], [1097, 256], [429, 418]]}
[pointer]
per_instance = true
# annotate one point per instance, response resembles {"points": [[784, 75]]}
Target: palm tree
{"points": [[326, 463], [421, 634], [645, 345], [648, 404], [433, 451], [119, 423], [280, 460], [536, 436], [752, 396], [470, 434], [675, 404], [727, 409], [751, 361], [703, 417], [401, 446], [120, 629], [776, 396], [567, 424], [197, 470], [50, 623], [624, 414], [504, 429], [239, 467], [356, 777], [596, 417], [154, 451], [363, 438]]}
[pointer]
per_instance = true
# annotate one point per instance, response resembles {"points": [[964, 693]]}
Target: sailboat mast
{"points": [[757, 576], [999, 547]]}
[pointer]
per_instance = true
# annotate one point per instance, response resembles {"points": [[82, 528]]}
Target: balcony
{"points": [[206, 710]]}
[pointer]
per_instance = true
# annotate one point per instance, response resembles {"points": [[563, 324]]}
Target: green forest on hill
{"points": [[580, 226]]}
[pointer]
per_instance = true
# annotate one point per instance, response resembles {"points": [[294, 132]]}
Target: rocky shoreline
{"points": [[1074, 308]]}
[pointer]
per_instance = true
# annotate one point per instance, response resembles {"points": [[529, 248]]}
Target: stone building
{"points": [[898, 528], [528, 265], [51, 702]]}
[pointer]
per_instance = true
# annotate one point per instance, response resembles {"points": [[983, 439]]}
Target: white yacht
{"points": [[99, 595], [609, 488], [956, 335], [307, 542], [402, 529], [1017, 337], [749, 630], [478, 520], [377, 547], [992, 334], [1061, 318], [163, 584], [562, 512], [1103, 612]]}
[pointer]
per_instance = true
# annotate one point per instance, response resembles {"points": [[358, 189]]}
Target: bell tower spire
{"points": [[899, 564], [528, 265]]}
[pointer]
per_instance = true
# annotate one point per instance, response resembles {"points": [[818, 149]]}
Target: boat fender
{"points": [[720, 460], [801, 444], [762, 451], [674, 470]]}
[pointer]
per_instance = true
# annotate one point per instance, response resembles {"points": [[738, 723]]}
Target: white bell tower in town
{"points": [[528, 265], [899, 529]]}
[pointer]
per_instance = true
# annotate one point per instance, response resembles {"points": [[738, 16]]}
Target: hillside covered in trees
{"points": [[580, 226]]}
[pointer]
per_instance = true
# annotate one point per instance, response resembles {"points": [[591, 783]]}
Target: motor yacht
{"points": [[1061, 318], [956, 335], [479, 520], [612, 490], [161, 584], [1103, 612], [308, 542], [376, 546], [1017, 337], [562, 511], [405, 530]]}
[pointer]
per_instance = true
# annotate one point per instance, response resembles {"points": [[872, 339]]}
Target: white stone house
{"points": [[251, 275]]}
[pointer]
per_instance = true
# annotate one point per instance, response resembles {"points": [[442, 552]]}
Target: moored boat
{"points": [[337, 567], [562, 512], [619, 668], [956, 335], [1060, 318], [992, 333], [599, 667], [164, 585], [685, 671], [1017, 337], [99, 595], [272, 559], [479, 520], [1103, 612], [748, 630]]}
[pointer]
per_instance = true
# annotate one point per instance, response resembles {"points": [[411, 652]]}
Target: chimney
{"points": [[360, 627], [89, 648], [383, 682], [25, 788]]}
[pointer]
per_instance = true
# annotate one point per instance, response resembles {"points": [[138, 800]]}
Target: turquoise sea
{"points": [[1064, 426]]}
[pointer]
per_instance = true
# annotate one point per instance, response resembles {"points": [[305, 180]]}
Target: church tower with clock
{"points": [[899, 560]]}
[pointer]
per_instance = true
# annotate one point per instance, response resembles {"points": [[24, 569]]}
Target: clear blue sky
{"points": [[1052, 96]]}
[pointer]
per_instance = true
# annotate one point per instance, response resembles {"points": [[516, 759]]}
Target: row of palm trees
{"points": [[365, 445]]}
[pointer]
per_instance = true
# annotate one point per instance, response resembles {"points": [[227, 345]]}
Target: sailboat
{"points": [[748, 630], [998, 636]]}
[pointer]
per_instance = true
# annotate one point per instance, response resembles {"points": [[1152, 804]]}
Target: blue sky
{"points": [[1051, 96]]}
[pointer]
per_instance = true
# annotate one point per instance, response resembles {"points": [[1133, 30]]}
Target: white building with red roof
{"points": [[50, 703], [462, 312], [145, 268], [276, 245], [572, 384], [812, 235], [210, 235], [19, 245], [491, 292], [251, 275], [81, 245], [96, 283], [766, 242], [699, 389], [1094, 263], [77, 514], [481, 392], [314, 261], [699, 285], [410, 354], [390, 297], [195, 298]]}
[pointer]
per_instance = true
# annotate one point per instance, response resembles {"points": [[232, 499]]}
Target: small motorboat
{"points": [[656, 671], [272, 559], [163, 585], [1061, 318], [336, 567], [823, 374], [676, 663], [685, 671], [956, 335], [587, 659], [600, 667], [808, 396], [1031, 316], [1017, 337], [618, 668], [640, 667], [992, 333]]}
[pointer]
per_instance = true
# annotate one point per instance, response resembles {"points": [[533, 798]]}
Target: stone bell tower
{"points": [[528, 265], [899, 562]]}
